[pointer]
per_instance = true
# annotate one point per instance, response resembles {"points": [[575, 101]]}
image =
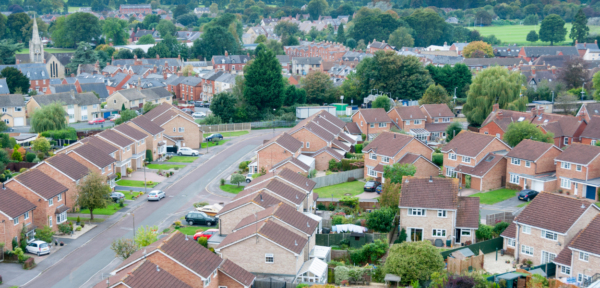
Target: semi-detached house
{"points": [[438, 117], [66, 171], [530, 165], [283, 151], [139, 147], [127, 154], [15, 211], [155, 139], [372, 121], [577, 171], [79, 106], [13, 109], [95, 160], [179, 127], [591, 133]]}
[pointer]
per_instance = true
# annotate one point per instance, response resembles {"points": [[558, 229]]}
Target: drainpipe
{"points": [[517, 253]]}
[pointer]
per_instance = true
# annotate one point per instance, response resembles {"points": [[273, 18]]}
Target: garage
{"points": [[537, 186], [19, 121]]}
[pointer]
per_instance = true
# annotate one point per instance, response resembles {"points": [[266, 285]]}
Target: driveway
{"points": [[509, 205]]}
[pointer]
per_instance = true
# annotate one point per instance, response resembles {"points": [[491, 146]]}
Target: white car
{"points": [[38, 247], [156, 195], [198, 114], [248, 178], [187, 152]]}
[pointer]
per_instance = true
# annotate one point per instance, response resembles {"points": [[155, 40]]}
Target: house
{"points": [[178, 261], [230, 63], [576, 170], [531, 165], [116, 82], [467, 150], [66, 171], [292, 179], [410, 119], [458, 47], [281, 151], [592, 54], [139, 148], [13, 112], [529, 53], [127, 156], [487, 174], [389, 148], [15, 212], [591, 133], [430, 209], [48, 195], [566, 130], [579, 259], [498, 120], [372, 121], [588, 110], [39, 79], [95, 160], [483, 63], [142, 8], [135, 98], [79, 106], [375, 46], [582, 48], [326, 50], [180, 128], [134, 36], [154, 139], [191, 88], [304, 65], [99, 88], [546, 226]]}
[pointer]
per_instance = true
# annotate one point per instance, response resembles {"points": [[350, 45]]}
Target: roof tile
{"points": [[529, 150], [68, 165], [40, 183], [552, 212], [13, 204], [440, 193]]}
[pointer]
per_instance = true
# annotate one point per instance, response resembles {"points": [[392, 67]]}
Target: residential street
{"points": [[86, 257]]}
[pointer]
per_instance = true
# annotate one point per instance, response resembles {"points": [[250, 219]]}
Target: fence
{"points": [[485, 247], [548, 268], [458, 266], [492, 219], [225, 127], [356, 242], [275, 123], [338, 178], [19, 165], [272, 283]]}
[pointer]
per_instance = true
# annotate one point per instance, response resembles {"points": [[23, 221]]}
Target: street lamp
{"points": [[133, 218], [582, 91]]}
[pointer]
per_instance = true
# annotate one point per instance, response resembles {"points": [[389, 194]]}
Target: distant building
{"points": [[125, 9]]}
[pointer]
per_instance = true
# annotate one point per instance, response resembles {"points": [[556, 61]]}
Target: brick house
{"points": [[375, 46], [79, 106], [179, 127], [488, 174], [126, 9], [324, 155], [178, 261], [66, 171], [430, 209], [437, 118], [588, 110], [48, 195], [389, 148], [95, 160], [372, 121], [580, 259], [154, 140], [37, 73], [15, 211], [139, 147], [407, 117], [467, 149], [292, 179], [577, 171], [531, 165], [591, 133], [230, 63], [546, 226], [326, 50], [566, 130], [529, 53], [190, 89], [498, 120], [125, 155], [279, 149]]}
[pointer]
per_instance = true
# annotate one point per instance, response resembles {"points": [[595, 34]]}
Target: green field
{"points": [[49, 50], [109, 210], [213, 143], [512, 34]]}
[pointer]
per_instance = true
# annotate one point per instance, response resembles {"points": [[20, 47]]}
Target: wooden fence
{"points": [[225, 127], [492, 219], [460, 265], [18, 166], [338, 178]]}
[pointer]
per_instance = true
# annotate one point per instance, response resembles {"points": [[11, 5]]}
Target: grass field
{"points": [[134, 183], [49, 50], [495, 196], [337, 191], [109, 210], [233, 189], [512, 34], [523, 205], [182, 159], [234, 134], [75, 9], [164, 166]]}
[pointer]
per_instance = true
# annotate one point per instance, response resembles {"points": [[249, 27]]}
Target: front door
{"points": [[590, 192], [575, 191], [416, 234], [457, 236]]}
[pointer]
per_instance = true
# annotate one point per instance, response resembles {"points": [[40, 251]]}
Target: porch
{"points": [[586, 189]]}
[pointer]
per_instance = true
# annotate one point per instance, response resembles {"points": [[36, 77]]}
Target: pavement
{"points": [[86, 261]]}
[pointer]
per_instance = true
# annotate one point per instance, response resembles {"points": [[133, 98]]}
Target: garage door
{"points": [[537, 185], [19, 121]]}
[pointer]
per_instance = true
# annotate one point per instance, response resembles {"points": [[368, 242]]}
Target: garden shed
{"points": [[313, 271]]}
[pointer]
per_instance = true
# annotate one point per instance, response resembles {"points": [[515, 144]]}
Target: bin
{"points": [[448, 243]]}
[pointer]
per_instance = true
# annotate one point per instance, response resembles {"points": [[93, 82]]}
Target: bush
{"points": [[78, 220], [402, 237], [118, 175], [334, 165], [200, 204], [341, 274], [358, 148], [369, 252], [484, 232], [149, 155], [499, 228], [321, 206], [337, 220], [22, 170], [203, 241], [65, 228], [438, 159], [27, 265], [29, 157], [45, 234], [78, 229], [414, 261], [381, 220], [244, 165], [222, 181], [302, 285], [68, 134], [331, 207]]}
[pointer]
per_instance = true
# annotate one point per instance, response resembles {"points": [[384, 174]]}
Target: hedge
{"points": [[68, 134], [149, 155]]}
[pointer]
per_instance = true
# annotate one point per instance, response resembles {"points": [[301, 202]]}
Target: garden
{"points": [[496, 196], [338, 191], [181, 159], [137, 183]]}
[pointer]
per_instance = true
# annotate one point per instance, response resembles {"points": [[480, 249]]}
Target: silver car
{"points": [[38, 247], [156, 195]]}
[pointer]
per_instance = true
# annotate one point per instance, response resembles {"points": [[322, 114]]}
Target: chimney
{"points": [[165, 75], [157, 57], [135, 57], [226, 54], [154, 71], [499, 115], [430, 179], [138, 28], [112, 58], [496, 107], [179, 57], [139, 84], [18, 61], [532, 70], [44, 60], [248, 54], [73, 94], [96, 65], [553, 69], [72, 75], [576, 42], [152, 29]]}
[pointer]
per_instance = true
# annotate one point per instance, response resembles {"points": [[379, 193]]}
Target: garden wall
{"points": [[338, 178]]}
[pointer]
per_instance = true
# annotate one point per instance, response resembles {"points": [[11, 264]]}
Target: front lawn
{"points": [[339, 190], [164, 166], [495, 196], [129, 194], [182, 159], [135, 183], [213, 143], [234, 134], [109, 210], [191, 230], [84, 219], [234, 189]]}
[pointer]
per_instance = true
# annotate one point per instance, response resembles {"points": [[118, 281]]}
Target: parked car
{"points": [[207, 104], [114, 118], [198, 104], [117, 196], [248, 178], [527, 194], [187, 110], [199, 218], [156, 195], [187, 152], [378, 190], [371, 186], [96, 121], [198, 114], [213, 137], [206, 234], [38, 247]]}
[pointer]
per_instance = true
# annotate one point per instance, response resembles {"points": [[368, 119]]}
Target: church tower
{"points": [[36, 48]]}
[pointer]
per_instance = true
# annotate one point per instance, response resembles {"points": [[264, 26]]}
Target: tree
{"points": [[50, 117], [478, 45], [428, 25], [146, 39], [223, 105], [518, 131], [151, 19], [275, 46], [596, 82], [381, 220], [15, 22], [237, 179], [390, 195], [435, 94], [372, 24], [16, 155], [165, 27], [394, 173], [531, 19], [83, 55], [483, 18], [125, 116], [341, 37], [579, 30], [263, 82], [180, 10], [8, 49], [493, 85], [45, 234], [215, 41], [402, 38], [188, 19], [351, 43], [148, 106], [15, 80], [382, 102], [42, 145], [124, 54], [532, 36], [457, 78], [452, 130], [75, 28], [260, 39], [146, 235], [566, 102], [319, 88], [214, 8], [114, 30], [574, 73], [553, 29], [94, 192], [124, 247], [413, 261], [317, 8]]}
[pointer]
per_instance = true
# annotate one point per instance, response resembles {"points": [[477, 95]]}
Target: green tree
{"points": [[146, 39], [180, 10], [596, 82], [532, 36], [263, 82], [518, 131], [452, 78], [453, 129], [428, 25], [413, 261], [490, 86], [49, 117], [402, 38], [531, 19], [215, 41], [148, 106], [390, 195], [579, 30], [319, 88], [381, 220], [146, 235], [214, 8], [435, 94], [165, 27], [41, 145], [574, 73], [45, 234], [123, 247], [203, 241], [114, 30], [223, 105], [16, 155], [275, 46], [237, 179], [124, 54], [260, 39], [382, 102], [84, 54], [125, 116], [372, 24], [478, 45], [151, 19], [15, 22], [317, 8], [553, 29], [8, 49], [15, 80], [80, 27], [341, 37], [351, 43], [93, 192], [394, 173]]}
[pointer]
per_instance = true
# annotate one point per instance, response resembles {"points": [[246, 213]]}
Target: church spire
{"points": [[36, 48]]}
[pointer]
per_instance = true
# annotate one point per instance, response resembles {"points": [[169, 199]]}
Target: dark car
{"points": [[527, 195], [199, 218], [198, 104], [117, 196], [214, 137], [378, 190], [371, 186], [187, 110]]}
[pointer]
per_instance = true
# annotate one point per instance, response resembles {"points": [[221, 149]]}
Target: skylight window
{"points": [[521, 119]]}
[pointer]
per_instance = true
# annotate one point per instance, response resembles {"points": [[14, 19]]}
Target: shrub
{"points": [[222, 181], [244, 165], [129, 170], [29, 157], [302, 285], [341, 274], [78, 229], [414, 261], [350, 201], [381, 220], [499, 228], [27, 265], [369, 252], [438, 159], [321, 206], [402, 237], [118, 175], [337, 220], [334, 165], [121, 203], [484, 232], [200, 204], [203, 241], [149, 155], [358, 148], [22, 170], [65, 228], [78, 220]]}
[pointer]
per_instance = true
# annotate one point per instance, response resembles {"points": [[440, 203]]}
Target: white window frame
{"points": [[103, 170], [515, 161], [371, 172], [417, 212], [417, 122], [26, 215], [442, 214], [511, 242], [565, 183], [527, 250], [593, 143], [382, 125], [565, 165], [549, 235], [272, 258], [565, 270], [372, 156], [16, 221], [526, 229], [549, 257], [450, 172], [438, 233], [385, 159], [307, 144], [407, 122], [515, 179], [527, 163], [466, 159], [452, 156], [50, 201], [566, 141], [585, 257], [578, 168], [50, 221], [181, 129], [59, 197], [18, 109], [465, 232], [581, 277], [207, 281]]}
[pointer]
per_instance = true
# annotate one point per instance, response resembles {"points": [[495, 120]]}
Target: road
{"points": [[90, 260]]}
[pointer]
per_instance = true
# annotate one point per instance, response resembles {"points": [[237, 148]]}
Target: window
{"points": [[566, 142], [466, 159], [526, 229], [361, 123], [18, 109], [83, 108], [174, 129], [382, 125], [207, 281], [417, 122], [59, 197], [442, 213], [584, 256], [514, 179], [565, 165], [385, 159], [16, 220], [407, 122], [547, 257], [436, 120], [372, 125], [450, 172], [26, 216], [446, 120], [307, 144], [527, 250], [114, 101], [593, 143], [128, 147], [373, 156], [103, 170], [511, 242], [6, 121], [416, 212], [95, 106], [438, 233], [515, 161], [371, 172], [549, 235], [527, 164], [51, 202], [578, 168], [451, 156], [62, 217], [465, 232], [269, 258], [581, 277], [565, 270], [565, 183], [50, 221], [181, 129], [4, 109]]}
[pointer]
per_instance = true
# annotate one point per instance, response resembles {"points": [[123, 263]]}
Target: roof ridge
{"points": [[583, 229]]}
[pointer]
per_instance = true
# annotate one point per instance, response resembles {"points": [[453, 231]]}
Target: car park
{"points": [[527, 194], [371, 186], [199, 218], [38, 247], [156, 195], [185, 151]]}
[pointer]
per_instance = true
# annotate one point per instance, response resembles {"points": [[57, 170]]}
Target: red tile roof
{"points": [[115, 138], [158, 110], [438, 110], [100, 144], [587, 240], [94, 155], [295, 161], [483, 167], [237, 273], [409, 112], [41, 183], [469, 143], [529, 150], [150, 275], [510, 231], [131, 132], [13, 204], [329, 151], [467, 215], [261, 199], [270, 230], [190, 254], [579, 154], [592, 130], [147, 125], [286, 141], [284, 213], [553, 212], [162, 119], [389, 144], [375, 115], [440, 193], [565, 126], [352, 128], [68, 165]]}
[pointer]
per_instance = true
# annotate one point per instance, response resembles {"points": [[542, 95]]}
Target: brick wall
{"points": [[42, 211], [415, 147], [428, 223], [493, 179], [426, 169], [492, 129], [64, 180], [305, 136], [292, 167], [271, 155], [322, 161], [539, 244], [175, 269], [229, 220], [192, 135], [85, 162], [581, 267], [10, 230], [227, 281], [250, 255]]}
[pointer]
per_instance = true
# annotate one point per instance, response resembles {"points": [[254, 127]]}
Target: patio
{"points": [[150, 176], [492, 266]]}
